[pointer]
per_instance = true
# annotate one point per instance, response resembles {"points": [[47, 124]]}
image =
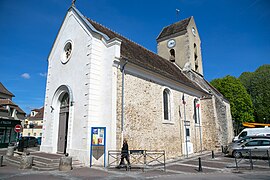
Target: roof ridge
{"points": [[139, 55], [179, 21], [174, 28], [5, 90], [122, 36]]}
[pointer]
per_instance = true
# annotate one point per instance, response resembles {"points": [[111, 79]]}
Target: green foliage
{"points": [[240, 101], [258, 86]]}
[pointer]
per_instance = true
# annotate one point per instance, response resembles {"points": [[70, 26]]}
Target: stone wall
{"points": [[219, 113], [209, 125], [144, 126]]}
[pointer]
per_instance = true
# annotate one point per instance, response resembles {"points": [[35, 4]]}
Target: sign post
{"points": [[18, 129]]}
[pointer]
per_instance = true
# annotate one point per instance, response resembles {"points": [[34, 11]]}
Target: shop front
{"points": [[7, 132]]}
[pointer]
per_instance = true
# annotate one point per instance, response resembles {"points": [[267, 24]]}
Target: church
{"points": [[102, 87]]}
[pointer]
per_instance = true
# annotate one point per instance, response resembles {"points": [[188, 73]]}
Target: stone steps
{"points": [[42, 163]]}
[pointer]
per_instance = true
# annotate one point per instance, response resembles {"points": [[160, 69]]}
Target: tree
{"points": [[240, 101], [258, 86]]}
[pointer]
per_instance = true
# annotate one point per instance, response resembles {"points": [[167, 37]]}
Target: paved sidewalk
{"points": [[182, 168]]}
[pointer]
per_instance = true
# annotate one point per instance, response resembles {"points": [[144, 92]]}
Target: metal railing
{"points": [[143, 159], [250, 157]]}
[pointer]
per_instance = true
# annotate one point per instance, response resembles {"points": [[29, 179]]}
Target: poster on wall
{"points": [[98, 136], [98, 143]]}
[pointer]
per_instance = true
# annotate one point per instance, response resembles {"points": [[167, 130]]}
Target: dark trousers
{"points": [[124, 156]]}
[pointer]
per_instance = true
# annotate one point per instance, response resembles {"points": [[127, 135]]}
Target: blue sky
{"points": [[235, 35]]}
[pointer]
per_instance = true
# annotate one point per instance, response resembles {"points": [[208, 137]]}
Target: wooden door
{"points": [[63, 130]]}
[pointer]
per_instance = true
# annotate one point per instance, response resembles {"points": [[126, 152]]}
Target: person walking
{"points": [[124, 153]]}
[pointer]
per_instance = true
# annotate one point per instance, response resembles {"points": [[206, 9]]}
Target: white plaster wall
{"points": [[89, 74]]}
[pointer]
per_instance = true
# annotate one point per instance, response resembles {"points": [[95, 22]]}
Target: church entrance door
{"points": [[63, 124]]}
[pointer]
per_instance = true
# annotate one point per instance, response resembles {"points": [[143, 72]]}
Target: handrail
{"points": [[251, 154], [139, 158]]}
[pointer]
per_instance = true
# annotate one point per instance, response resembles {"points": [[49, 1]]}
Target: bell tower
{"points": [[180, 43]]}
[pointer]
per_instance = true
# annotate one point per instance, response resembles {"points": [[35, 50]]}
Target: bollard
{"points": [[26, 162], [21, 145], [250, 160], [65, 164], [222, 149], [213, 155], [268, 157], [1, 160], [10, 151], [200, 165], [236, 163]]}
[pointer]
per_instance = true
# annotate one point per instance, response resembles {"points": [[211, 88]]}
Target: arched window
{"points": [[68, 49], [65, 100], [166, 104], [196, 57], [195, 111], [172, 57]]}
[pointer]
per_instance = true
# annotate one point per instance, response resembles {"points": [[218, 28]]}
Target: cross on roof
{"points": [[73, 2]]}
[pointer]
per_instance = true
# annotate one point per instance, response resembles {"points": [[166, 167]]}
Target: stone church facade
{"points": [[100, 79]]}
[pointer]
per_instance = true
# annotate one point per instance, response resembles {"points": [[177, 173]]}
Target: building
{"points": [[10, 115], [102, 87], [33, 123]]}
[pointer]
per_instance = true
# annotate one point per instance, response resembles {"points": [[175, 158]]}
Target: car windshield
{"points": [[243, 140], [249, 138]]}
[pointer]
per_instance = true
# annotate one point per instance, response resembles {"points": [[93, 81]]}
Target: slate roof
{"points": [[142, 57], [174, 28], [4, 90]]}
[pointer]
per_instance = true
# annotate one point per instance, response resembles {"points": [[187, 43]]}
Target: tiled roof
{"points": [[142, 57], [39, 115], [4, 102], [4, 90], [174, 28]]}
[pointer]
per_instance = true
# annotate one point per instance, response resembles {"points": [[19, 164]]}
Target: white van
{"points": [[253, 132]]}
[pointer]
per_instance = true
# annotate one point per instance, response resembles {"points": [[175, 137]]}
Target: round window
{"points": [[67, 52]]}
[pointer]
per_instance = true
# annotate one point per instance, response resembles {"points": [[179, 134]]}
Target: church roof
{"points": [[174, 28], [142, 57], [4, 90]]}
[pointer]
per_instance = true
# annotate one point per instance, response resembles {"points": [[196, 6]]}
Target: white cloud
{"points": [[43, 74], [25, 76]]}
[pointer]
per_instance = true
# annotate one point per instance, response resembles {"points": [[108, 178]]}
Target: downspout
{"points": [[200, 127], [123, 98]]}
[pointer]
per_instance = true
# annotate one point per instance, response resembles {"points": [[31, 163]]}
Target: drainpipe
{"points": [[200, 127], [185, 123], [199, 121], [123, 98]]}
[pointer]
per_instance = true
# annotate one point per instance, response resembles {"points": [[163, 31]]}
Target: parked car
{"points": [[258, 148], [28, 141], [239, 141]]}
